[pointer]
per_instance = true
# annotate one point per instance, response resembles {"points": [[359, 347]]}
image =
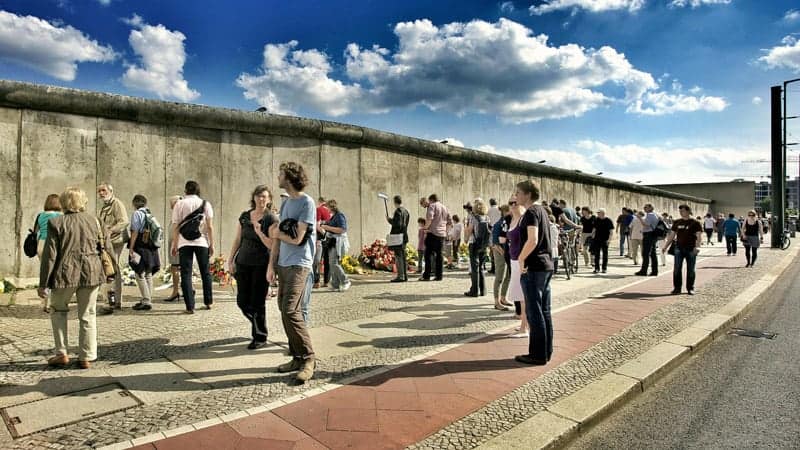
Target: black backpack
{"points": [[32, 240], [482, 234], [190, 227], [661, 229]]}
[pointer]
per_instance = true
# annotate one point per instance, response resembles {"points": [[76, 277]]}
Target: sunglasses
{"points": [[512, 203], [751, 215]]}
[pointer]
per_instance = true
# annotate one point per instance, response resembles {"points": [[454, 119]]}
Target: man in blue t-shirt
{"points": [[292, 259], [732, 229]]}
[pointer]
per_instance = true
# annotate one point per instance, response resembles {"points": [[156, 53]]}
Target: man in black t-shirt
{"points": [[537, 270], [603, 229], [587, 226], [688, 235]]}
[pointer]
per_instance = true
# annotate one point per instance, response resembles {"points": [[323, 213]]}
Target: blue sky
{"points": [[652, 90]]}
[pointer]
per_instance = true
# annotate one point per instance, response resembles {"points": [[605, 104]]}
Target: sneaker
{"points": [[675, 292], [641, 274], [292, 366], [346, 286], [256, 344], [306, 371], [142, 307], [690, 292], [520, 335], [604, 270], [527, 359]]}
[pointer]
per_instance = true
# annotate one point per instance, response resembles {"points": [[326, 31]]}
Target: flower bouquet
{"points": [[377, 256], [219, 274], [351, 265]]}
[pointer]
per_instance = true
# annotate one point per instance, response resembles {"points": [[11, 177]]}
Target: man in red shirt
{"points": [[321, 250]]}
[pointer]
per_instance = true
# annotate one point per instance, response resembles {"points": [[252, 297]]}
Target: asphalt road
{"points": [[740, 392]]}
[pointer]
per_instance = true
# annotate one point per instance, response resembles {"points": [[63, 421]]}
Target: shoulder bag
{"points": [[105, 258]]}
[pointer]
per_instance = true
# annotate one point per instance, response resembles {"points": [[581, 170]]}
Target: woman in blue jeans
{"points": [[687, 234]]}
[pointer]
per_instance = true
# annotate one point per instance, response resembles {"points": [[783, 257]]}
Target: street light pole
{"points": [[785, 145]]}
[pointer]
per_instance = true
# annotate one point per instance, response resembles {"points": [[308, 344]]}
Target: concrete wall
{"points": [[51, 138], [731, 197]]}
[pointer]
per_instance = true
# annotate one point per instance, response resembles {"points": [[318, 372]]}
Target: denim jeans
{"points": [[649, 254], [477, 257], [688, 255], [536, 289], [338, 277], [730, 242], [623, 237], [187, 254]]}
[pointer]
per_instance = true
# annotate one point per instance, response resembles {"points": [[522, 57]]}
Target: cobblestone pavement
{"points": [[436, 314]]}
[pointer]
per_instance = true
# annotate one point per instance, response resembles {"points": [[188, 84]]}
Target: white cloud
{"points": [[499, 68], [783, 56], [48, 47], [757, 100], [507, 7], [660, 103], [594, 6], [650, 164], [104, 2], [162, 57], [792, 15], [697, 3]]}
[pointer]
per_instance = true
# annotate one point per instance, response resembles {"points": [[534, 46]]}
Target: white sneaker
{"points": [[520, 335], [345, 287]]}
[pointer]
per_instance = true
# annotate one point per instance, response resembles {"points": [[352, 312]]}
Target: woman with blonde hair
{"points": [[71, 265], [478, 229]]}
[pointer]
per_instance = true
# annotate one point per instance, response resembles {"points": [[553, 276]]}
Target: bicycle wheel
{"points": [[785, 243]]}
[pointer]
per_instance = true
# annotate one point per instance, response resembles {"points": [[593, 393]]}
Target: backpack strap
{"points": [[193, 214]]}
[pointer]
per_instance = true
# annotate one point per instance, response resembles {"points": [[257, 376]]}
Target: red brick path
{"points": [[407, 404]]}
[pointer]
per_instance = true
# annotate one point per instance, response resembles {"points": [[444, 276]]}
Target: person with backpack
{"points": [[193, 238], [650, 235], [146, 239], [114, 218], [34, 242], [478, 229]]}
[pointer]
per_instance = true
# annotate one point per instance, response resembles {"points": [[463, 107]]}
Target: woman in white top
{"points": [[636, 238], [455, 238], [708, 225]]}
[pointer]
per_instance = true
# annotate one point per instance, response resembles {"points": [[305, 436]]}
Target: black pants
{"points": [[709, 233], [186, 256], [649, 252], [476, 259], [751, 253], [601, 247], [730, 242], [251, 298], [433, 256], [326, 261], [400, 262]]}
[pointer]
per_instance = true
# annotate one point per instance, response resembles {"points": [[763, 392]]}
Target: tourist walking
{"points": [[193, 239], [719, 227], [336, 232], [436, 219], [733, 230], [499, 248], [399, 223], [248, 262], [752, 237], [686, 236], [623, 224], [421, 244], [322, 249], [537, 271], [52, 208], [456, 231], [480, 235], [495, 215], [71, 265], [603, 231], [649, 239], [143, 251], [292, 259], [515, 294], [174, 260], [636, 237], [587, 227], [708, 226], [114, 218]]}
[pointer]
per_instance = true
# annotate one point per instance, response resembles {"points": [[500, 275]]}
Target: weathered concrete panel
{"points": [[194, 154], [430, 182], [304, 152], [453, 187], [584, 195], [339, 180], [560, 189], [58, 150], [9, 182], [248, 163]]}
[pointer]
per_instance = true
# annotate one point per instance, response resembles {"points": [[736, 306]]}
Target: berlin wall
{"points": [[53, 137]]}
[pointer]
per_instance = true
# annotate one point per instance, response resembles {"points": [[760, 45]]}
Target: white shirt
{"points": [[709, 223], [182, 209], [457, 231], [636, 229], [494, 215]]}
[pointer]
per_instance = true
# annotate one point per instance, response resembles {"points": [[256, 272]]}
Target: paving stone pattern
{"points": [[133, 337]]}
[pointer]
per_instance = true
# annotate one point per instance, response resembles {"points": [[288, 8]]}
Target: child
{"points": [[421, 243], [554, 236], [455, 238]]}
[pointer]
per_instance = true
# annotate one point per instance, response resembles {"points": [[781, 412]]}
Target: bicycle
{"points": [[574, 249], [785, 240], [566, 251]]}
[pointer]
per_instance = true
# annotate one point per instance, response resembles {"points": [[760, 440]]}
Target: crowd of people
{"points": [[282, 250]]}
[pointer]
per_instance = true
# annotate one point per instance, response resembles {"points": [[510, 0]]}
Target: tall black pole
{"points": [[778, 166]]}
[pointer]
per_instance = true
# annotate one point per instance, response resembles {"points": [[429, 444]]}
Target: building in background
{"points": [[727, 197], [763, 190]]}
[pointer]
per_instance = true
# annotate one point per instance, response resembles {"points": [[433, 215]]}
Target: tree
{"points": [[766, 205]]}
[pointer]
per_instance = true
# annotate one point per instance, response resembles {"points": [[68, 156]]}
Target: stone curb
{"points": [[569, 417]]}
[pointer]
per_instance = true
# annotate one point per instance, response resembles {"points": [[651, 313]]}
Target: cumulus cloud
{"points": [[49, 47], [650, 164], [757, 100], [785, 56], [660, 103], [162, 56], [507, 7], [791, 16], [696, 3], [499, 68], [594, 6]]}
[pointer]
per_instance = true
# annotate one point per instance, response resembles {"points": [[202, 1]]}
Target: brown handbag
{"points": [[105, 258]]}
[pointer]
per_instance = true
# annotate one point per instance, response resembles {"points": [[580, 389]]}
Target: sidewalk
{"points": [[405, 405]]}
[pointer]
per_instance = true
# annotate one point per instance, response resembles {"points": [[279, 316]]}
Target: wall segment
{"points": [[72, 137]]}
